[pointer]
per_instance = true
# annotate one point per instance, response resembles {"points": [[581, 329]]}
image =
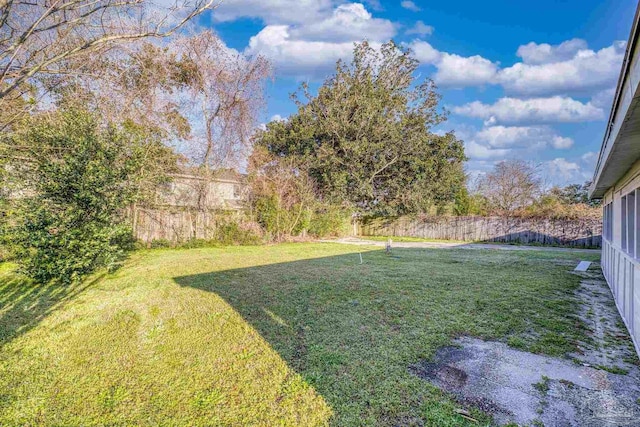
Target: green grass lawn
{"points": [[292, 335]]}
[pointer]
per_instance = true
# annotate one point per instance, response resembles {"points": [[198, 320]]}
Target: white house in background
{"points": [[617, 182], [225, 190]]}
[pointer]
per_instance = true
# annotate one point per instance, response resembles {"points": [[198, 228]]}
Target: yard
{"points": [[293, 334]]}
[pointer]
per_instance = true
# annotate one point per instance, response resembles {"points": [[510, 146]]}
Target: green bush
{"points": [[330, 221], [197, 243], [552, 207], [160, 243], [6, 253], [278, 221], [66, 245], [234, 233], [79, 178]]}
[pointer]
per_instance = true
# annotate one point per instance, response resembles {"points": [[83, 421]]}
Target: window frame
{"points": [[631, 223], [607, 222], [623, 223]]}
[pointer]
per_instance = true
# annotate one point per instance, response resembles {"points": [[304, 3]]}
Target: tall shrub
{"points": [[282, 195], [330, 220], [77, 177]]}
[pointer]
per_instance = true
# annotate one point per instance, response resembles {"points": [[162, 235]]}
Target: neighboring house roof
{"points": [[621, 145]]}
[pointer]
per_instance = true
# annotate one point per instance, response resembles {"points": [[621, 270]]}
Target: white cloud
{"points": [[558, 171], [533, 53], [505, 137], [529, 137], [589, 157], [409, 5], [476, 169], [604, 98], [425, 53], [311, 50], [534, 110], [567, 68], [274, 11], [562, 171], [298, 58], [585, 72], [561, 142], [455, 70], [421, 29], [502, 142], [461, 71], [348, 22], [588, 161], [478, 151]]}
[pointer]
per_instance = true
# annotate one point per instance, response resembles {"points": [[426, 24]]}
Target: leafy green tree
{"points": [[366, 136], [76, 178], [574, 193]]}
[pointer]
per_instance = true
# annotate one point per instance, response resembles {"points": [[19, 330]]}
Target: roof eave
{"points": [[597, 190]]}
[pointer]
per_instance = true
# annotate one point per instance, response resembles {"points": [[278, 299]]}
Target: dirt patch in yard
{"points": [[597, 386]]}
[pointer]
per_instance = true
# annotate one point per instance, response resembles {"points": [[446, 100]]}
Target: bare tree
{"points": [[45, 37], [511, 185], [285, 184], [223, 92], [135, 82]]}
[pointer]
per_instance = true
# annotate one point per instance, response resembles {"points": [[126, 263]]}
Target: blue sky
{"points": [[522, 79]]}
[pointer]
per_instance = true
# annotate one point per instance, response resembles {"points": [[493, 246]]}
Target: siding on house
{"points": [[621, 248], [617, 182], [184, 191]]}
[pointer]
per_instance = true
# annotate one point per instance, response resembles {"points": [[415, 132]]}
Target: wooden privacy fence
{"points": [[584, 233], [177, 225]]}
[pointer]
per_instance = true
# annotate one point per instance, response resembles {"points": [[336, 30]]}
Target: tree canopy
{"points": [[366, 138], [575, 193], [511, 185], [58, 40]]}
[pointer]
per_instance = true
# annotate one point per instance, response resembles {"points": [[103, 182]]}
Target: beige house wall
{"points": [[185, 190], [622, 267]]}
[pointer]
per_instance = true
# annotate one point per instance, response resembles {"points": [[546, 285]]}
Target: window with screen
{"points": [[629, 219], [607, 221], [623, 223], [631, 223]]}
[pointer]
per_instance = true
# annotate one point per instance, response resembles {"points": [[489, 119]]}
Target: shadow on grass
{"points": [[283, 300], [351, 330], [24, 304], [300, 309]]}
